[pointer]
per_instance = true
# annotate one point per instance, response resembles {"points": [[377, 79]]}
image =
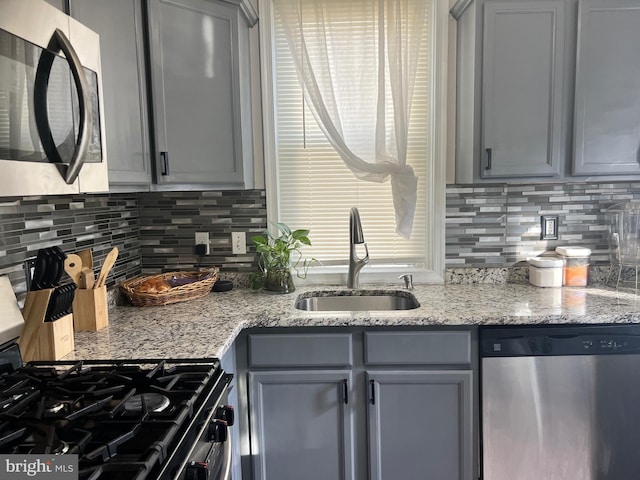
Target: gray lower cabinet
{"points": [[420, 425], [200, 75], [120, 26], [301, 425], [607, 97], [351, 404], [522, 88]]}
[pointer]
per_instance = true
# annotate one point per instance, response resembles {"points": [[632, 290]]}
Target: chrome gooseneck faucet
{"points": [[355, 238]]}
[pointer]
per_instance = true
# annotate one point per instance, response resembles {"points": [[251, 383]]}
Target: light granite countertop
{"points": [[208, 326]]}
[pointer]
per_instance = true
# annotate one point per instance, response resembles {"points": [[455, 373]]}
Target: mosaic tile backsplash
{"points": [[487, 226], [153, 231], [169, 221], [73, 223], [499, 225]]}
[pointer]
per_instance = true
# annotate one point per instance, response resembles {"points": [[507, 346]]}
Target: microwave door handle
{"points": [[59, 42], [43, 71], [80, 79]]}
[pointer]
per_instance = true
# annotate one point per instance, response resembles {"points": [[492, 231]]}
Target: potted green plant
{"points": [[278, 255]]}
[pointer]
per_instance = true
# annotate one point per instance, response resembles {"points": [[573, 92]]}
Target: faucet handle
{"points": [[408, 280], [365, 259]]}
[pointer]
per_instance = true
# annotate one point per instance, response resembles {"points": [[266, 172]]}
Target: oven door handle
{"points": [[60, 42], [228, 448]]}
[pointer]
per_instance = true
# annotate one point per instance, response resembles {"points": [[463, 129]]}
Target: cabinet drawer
{"points": [[301, 350], [417, 348]]}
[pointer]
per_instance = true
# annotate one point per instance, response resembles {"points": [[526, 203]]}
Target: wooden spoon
{"points": [[87, 258], [73, 266], [106, 267], [87, 278]]}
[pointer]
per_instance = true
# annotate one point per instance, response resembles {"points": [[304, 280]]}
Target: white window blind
{"points": [[315, 190]]}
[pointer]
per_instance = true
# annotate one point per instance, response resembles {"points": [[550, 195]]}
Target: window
{"points": [[308, 184]]}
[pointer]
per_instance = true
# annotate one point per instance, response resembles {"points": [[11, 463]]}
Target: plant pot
{"points": [[279, 281]]}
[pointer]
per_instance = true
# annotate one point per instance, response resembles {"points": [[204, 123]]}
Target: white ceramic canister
{"points": [[545, 271]]}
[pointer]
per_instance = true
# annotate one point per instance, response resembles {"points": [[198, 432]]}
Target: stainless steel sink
{"points": [[356, 301]]}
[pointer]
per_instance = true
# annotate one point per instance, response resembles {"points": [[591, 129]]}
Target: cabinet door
{"points": [[302, 425], [198, 92], [420, 425], [119, 24], [59, 4], [607, 98], [522, 82]]}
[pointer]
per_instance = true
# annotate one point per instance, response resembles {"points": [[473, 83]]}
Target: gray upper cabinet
{"points": [[420, 425], [201, 93], [522, 88], [59, 4], [547, 90], [120, 26], [607, 97]]}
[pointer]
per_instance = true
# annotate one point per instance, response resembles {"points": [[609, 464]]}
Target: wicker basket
{"points": [[200, 287]]}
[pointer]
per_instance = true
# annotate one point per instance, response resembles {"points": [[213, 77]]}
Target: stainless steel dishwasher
{"points": [[560, 402]]}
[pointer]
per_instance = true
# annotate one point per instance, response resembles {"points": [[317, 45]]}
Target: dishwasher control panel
{"points": [[578, 340]]}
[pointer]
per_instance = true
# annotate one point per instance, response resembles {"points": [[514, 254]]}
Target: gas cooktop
{"points": [[124, 419]]}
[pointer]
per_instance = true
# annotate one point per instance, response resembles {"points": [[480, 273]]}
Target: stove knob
{"points": [[217, 431], [197, 471], [226, 413]]}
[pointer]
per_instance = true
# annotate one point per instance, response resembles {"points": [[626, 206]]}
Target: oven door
{"points": [[214, 462], [208, 456], [51, 123]]}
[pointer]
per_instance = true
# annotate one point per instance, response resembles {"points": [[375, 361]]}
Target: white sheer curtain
{"points": [[363, 106]]}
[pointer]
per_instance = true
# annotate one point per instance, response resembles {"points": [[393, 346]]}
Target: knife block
{"points": [[56, 339], [90, 311], [42, 340]]}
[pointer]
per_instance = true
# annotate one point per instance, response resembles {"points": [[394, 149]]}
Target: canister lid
{"points": [[573, 251], [545, 262]]}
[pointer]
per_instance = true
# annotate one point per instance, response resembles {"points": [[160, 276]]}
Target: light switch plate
{"points": [[238, 243]]}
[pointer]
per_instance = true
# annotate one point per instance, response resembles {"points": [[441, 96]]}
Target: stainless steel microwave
{"points": [[52, 138]]}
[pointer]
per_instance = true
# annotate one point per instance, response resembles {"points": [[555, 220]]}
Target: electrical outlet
{"points": [[549, 227], [238, 243], [202, 238]]}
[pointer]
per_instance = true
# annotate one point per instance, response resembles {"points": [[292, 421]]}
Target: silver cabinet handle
{"points": [[59, 42]]}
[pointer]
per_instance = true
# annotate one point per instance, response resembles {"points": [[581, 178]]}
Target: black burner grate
{"points": [[85, 408]]}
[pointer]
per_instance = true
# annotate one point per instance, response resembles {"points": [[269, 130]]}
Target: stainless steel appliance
{"points": [[560, 403], [51, 120], [133, 419], [144, 419]]}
